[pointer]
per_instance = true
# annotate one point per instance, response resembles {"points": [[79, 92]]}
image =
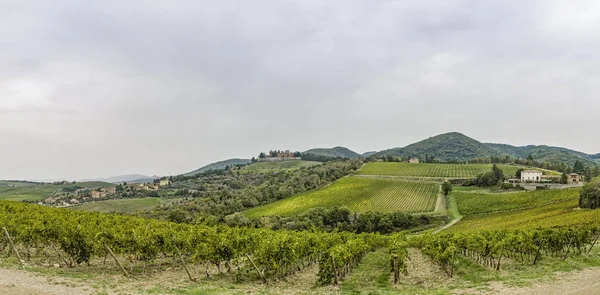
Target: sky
{"points": [[100, 88]]}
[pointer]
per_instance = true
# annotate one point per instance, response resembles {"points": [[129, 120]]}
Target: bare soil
{"points": [[581, 282], [19, 282]]}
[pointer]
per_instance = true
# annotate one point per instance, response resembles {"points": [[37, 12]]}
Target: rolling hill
{"points": [[337, 151], [445, 147], [219, 166], [368, 154], [455, 146], [130, 178]]}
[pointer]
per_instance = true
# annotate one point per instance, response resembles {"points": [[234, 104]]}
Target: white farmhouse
{"points": [[531, 176]]}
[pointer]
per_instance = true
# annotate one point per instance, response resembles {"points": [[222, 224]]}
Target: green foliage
{"points": [[446, 188], [432, 170], [219, 166], [220, 193], [564, 178], [336, 152], [342, 219], [492, 178], [590, 195], [445, 147], [523, 246], [359, 194], [84, 236]]}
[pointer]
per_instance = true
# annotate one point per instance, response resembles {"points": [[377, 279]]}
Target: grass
{"points": [[372, 276], [432, 170], [359, 194], [28, 193], [21, 191], [477, 202], [122, 205], [278, 166]]}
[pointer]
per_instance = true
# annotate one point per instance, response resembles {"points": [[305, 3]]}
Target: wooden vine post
{"points": [[184, 266], [335, 274], [396, 270], [60, 255], [262, 275], [12, 245], [116, 260]]}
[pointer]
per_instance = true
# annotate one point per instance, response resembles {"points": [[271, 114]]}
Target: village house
{"points": [[574, 178], [109, 190], [531, 176], [165, 182], [414, 160], [287, 155], [98, 195]]}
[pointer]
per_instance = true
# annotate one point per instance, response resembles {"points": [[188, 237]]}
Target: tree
{"points": [[579, 167], [590, 195], [446, 188], [518, 173], [262, 155], [588, 174], [498, 173], [564, 178]]}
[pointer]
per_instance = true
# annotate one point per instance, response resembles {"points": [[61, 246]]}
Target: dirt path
{"points": [[581, 282], [451, 223], [19, 282]]}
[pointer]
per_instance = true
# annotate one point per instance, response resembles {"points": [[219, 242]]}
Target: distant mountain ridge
{"points": [[338, 151], [456, 146], [131, 178], [219, 166]]}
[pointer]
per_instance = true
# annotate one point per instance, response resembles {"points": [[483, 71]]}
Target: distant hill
{"points": [[130, 178], [459, 147], [445, 147], [337, 151], [368, 154], [219, 166]]}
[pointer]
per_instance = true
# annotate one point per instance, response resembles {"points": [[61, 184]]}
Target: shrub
{"points": [[590, 195]]}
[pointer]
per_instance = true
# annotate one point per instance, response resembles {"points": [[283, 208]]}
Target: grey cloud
{"points": [[107, 87]]}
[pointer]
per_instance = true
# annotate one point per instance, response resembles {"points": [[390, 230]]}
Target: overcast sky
{"points": [[101, 88]]}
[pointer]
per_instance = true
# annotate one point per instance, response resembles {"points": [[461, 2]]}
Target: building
{"points": [[273, 156], [109, 190], [165, 182], [414, 160], [531, 176], [98, 195], [575, 178]]}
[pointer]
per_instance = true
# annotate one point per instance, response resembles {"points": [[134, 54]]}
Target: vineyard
{"points": [[359, 194], [470, 203], [75, 239], [559, 214], [432, 170]]}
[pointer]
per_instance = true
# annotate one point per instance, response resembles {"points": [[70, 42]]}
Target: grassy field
{"points": [[121, 206], [278, 166], [563, 213], [476, 202], [36, 192], [359, 194], [432, 170]]}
